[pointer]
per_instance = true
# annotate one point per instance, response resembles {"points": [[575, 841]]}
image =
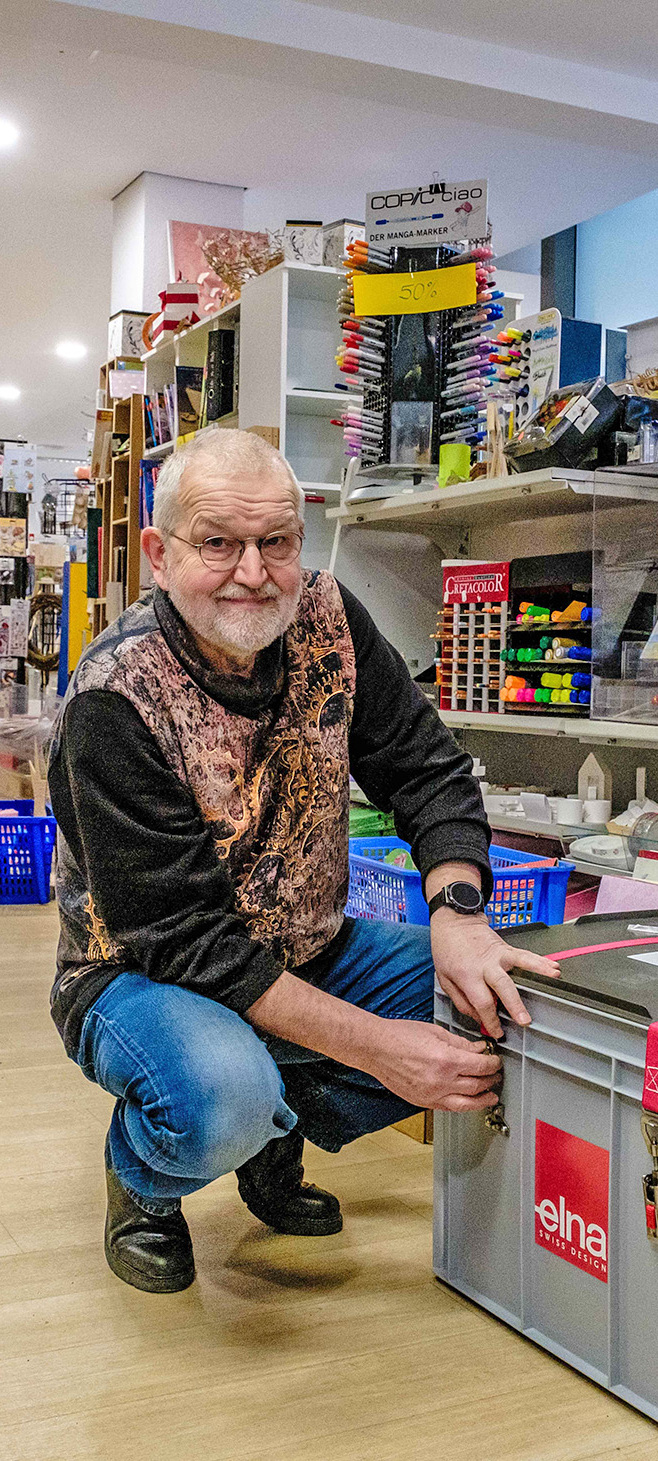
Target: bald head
{"points": [[237, 459]]}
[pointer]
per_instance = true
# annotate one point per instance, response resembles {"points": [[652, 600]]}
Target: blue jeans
{"points": [[199, 1092]]}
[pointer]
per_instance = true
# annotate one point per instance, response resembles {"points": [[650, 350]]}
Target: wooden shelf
{"points": [[119, 522]]}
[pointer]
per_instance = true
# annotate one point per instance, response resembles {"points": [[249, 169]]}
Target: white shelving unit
{"points": [[493, 501], [288, 339], [289, 335]]}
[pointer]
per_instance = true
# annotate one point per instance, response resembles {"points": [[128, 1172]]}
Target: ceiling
{"points": [[307, 106], [588, 31]]}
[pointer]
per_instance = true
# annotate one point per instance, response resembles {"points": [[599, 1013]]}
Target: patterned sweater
{"points": [[203, 820]]}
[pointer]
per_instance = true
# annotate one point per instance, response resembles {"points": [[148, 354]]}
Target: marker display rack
{"points": [[546, 664], [412, 377], [471, 637]]}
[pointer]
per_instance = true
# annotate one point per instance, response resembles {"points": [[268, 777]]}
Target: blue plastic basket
{"points": [[26, 851], [379, 890]]}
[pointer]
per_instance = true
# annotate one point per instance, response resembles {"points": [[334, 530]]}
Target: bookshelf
{"points": [[117, 495]]}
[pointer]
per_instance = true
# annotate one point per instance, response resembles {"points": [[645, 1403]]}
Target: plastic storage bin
{"points": [[379, 890], [546, 1227], [26, 851]]}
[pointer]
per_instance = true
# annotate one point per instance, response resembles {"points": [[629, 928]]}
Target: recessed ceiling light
{"points": [[71, 350], [9, 134], [9, 393]]}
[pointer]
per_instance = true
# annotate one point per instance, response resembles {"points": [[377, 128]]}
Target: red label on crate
{"points": [[571, 1199], [475, 583]]}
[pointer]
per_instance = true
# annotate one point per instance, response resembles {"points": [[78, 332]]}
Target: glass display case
{"points": [[625, 607]]}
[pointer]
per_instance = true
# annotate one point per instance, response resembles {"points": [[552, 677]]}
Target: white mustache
{"points": [[269, 591]]}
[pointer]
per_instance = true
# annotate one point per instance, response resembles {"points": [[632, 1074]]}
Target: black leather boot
{"points": [[150, 1251], [271, 1186]]}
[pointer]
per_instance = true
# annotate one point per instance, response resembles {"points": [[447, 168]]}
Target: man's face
{"points": [[242, 609]]}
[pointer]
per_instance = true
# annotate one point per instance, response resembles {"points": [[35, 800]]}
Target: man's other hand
{"points": [[430, 1067], [472, 964]]}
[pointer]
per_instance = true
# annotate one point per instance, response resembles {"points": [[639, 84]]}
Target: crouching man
{"points": [[207, 975]]}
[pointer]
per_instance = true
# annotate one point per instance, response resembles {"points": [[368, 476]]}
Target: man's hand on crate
{"points": [[472, 961]]}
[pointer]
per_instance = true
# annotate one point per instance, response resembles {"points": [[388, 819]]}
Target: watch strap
{"points": [[441, 900]]}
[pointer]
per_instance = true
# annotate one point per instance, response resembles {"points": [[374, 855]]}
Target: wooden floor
{"points": [[333, 1349]]}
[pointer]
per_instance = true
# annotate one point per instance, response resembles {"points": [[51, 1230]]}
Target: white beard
{"points": [[235, 631]]}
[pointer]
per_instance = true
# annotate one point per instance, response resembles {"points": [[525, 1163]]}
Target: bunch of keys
{"points": [[495, 1119]]}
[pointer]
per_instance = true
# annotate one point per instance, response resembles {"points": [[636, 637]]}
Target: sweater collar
{"points": [[241, 696]]}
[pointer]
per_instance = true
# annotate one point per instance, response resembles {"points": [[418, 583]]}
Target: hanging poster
{"points": [[13, 535], [19, 469], [19, 625]]}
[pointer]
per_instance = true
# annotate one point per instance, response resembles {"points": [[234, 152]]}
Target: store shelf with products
{"points": [[596, 732], [288, 337], [493, 500], [117, 496]]}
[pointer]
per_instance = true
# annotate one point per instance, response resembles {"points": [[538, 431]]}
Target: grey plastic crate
{"points": [[579, 1070]]}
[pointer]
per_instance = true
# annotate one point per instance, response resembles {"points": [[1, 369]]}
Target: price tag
{"points": [[415, 294]]}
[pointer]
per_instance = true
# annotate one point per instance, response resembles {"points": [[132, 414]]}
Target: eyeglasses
{"points": [[225, 553]]}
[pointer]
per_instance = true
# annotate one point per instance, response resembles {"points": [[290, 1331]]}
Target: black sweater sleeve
{"points": [[148, 857], [407, 761]]}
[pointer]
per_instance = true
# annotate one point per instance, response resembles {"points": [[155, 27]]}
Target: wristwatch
{"points": [[461, 897]]}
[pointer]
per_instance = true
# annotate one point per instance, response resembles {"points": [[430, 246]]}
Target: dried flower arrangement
{"points": [[234, 257]]}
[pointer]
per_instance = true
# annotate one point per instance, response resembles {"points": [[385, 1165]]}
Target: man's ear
{"points": [[154, 547]]}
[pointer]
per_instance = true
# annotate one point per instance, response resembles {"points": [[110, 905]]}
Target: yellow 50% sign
{"points": [[415, 294]]}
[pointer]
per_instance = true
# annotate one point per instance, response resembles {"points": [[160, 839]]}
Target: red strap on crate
{"points": [[650, 1092], [517, 869]]}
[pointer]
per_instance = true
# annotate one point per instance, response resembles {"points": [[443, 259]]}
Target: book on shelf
{"points": [[120, 563], [220, 373], [148, 476], [158, 418], [189, 386]]}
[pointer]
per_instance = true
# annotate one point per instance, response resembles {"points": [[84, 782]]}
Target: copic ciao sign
{"points": [[482, 583], [571, 1199], [433, 213]]}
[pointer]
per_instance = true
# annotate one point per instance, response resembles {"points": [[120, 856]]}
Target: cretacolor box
{"points": [[553, 1226]]}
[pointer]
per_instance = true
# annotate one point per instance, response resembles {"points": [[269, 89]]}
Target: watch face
{"points": [[465, 897]]}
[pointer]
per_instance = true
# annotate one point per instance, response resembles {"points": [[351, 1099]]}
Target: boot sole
{"points": [[167, 1284]]}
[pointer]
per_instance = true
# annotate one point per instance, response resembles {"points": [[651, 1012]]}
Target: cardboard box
{"points": [[124, 334], [335, 238], [302, 242], [180, 302], [419, 1127]]}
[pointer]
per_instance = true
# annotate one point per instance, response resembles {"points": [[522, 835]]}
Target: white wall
{"points": [[529, 285], [140, 251], [128, 227], [616, 280]]}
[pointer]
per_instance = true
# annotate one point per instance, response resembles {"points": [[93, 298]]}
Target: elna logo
{"points": [[571, 1199]]}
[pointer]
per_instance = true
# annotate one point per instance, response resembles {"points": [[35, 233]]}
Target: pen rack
{"points": [[405, 374], [470, 640]]}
